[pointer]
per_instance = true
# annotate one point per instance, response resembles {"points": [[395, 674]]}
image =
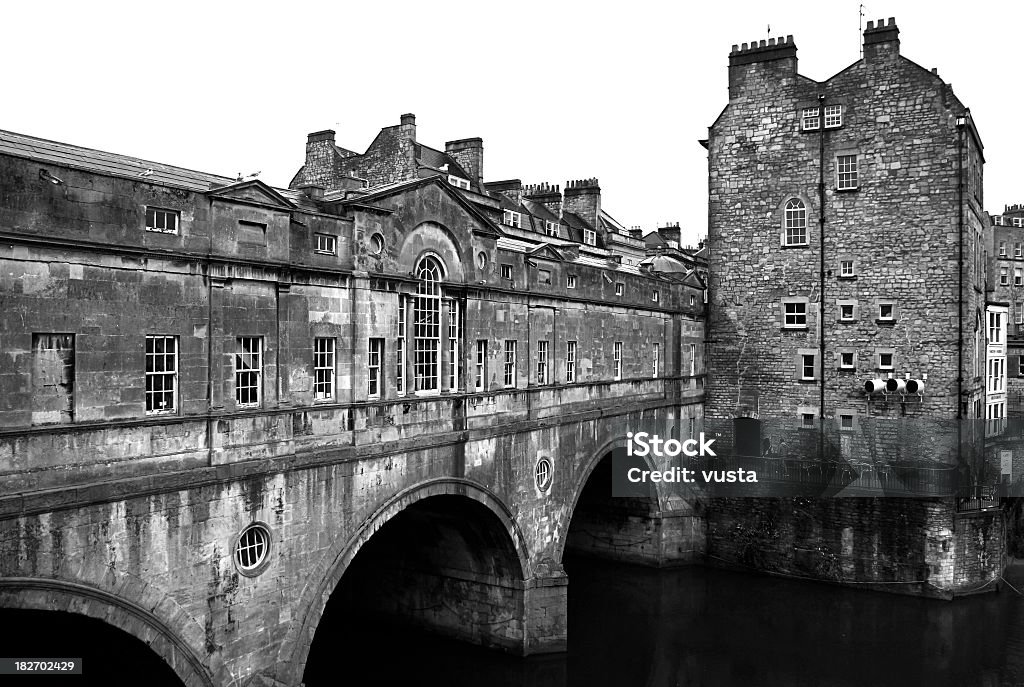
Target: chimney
{"points": [[319, 169], [881, 41], [761, 65], [672, 234], [511, 189], [548, 195], [469, 153], [636, 233], [583, 197]]}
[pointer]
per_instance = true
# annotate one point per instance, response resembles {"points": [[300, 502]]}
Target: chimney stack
{"points": [[583, 197], [761, 65], [881, 41], [319, 169], [469, 153], [548, 195]]}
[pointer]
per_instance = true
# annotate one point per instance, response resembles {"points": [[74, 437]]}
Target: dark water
{"points": [[696, 627]]}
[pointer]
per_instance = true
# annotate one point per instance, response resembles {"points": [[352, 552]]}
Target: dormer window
{"points": [[590, 237], [458, 182], [550, 228], [513, 219], [1018, 221], [810, 119], [997, 220]]}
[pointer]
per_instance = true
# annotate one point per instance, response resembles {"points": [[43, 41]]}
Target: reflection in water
{"points": [[696, 627]]}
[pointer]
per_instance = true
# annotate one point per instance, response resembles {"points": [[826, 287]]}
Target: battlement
{"points": [[880, 34], [763, 51]]}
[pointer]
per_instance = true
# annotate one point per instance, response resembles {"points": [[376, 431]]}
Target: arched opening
{"points": [[444, 565], [109, 656]]}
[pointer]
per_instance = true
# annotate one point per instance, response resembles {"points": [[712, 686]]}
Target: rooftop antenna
{"points": [[769, 31], [860, 30]]}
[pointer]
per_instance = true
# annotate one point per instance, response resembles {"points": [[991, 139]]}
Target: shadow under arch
{"points": [[132, 618], [295, 649], [433, 238]]}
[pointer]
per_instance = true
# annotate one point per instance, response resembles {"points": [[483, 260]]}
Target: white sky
{"points": [[558, 90]]}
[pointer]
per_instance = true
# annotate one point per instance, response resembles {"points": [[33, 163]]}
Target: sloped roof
{"points": [[77, 157]]}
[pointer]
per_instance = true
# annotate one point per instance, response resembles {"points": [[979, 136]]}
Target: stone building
{"points": [[1006, 287], [222, 402], [842, 337]]}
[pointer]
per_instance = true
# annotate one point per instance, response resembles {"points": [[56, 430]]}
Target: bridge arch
{"points": [[295, 649], [133, 609]]}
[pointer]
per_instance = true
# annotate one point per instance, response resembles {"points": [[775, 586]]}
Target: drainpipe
{"points": [[821, 274]]}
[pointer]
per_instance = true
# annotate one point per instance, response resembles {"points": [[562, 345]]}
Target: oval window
{"points": [[252, 549], [377, 244]]}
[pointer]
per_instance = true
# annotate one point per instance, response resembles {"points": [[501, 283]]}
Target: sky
{"points": [[558, 90]]}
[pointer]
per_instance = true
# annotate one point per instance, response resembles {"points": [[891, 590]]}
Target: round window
{"points": [[543, 474], [252, 549], [481, 260], [377, 244]]}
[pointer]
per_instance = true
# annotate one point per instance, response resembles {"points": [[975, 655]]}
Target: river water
{"points": [[698, 627]]}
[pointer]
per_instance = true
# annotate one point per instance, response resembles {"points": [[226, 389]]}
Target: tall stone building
{"points": [[836, 225], [1006, 287]]}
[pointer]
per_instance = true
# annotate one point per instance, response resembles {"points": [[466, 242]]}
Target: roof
{"points": [[77, 157]]}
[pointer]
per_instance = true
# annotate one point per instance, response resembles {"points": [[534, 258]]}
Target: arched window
{"points": [[426, 320], [796, 223]]}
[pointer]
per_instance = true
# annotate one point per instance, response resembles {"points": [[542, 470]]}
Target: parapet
{"points": [[762, 51]]}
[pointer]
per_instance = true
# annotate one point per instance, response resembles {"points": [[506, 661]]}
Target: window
{"points": [[693, 300], [162, 221], [544, 276], [1002, 249], [833, 116], [400, 347], [620, 288], [1018, 221], [454, 357], [248, 371], [458, 182], [570, 362], [550, 228], [570, 281], [1020, 366], [795, 314], [997, 220], [542, 474], [161, 374], [885, 361], [846, 268], [655, 296], [846, 166], [617, 359], [886, 311], [53, 378], [810, 119], [251, 549], [542, 362], [1017, 250], [846, 312], [846, 361], [323, 368], [327, 244], [426, 326], [693, 360], [506, 272], [510, 362], [995, 328], [1018, 276], [796, 223], [1020, 312], [377, 244], [807, 366], [808, 419], [846, 422], [252, 232], [590, 237], [375, 354], [512, 219], [481, 363], [1004, 276], [656, 358]]}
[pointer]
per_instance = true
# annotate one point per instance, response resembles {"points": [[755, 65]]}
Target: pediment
{"points": [[252, 191], [545, 252]]}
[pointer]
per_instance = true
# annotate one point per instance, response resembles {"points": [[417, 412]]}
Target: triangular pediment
{"points": [[545, 252], [480, 222], [252, 191]]}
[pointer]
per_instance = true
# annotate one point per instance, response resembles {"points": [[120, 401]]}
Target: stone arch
{"points": [[294, 650], [584, 475], [432, 238], [137, 609]]}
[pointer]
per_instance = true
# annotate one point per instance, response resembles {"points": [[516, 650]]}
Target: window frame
{"points": [[590, 237], [570, 281], [848, 179], [543, 366], [506, 271], [656, 358], [805, 366], [480, 365], [333, 243], [843, 273], [836, 116], [426, 322], [810, 119], [617, 360], [620, 288], [459, 182], [794, 223], [172, 376], [257, 371], [374, 367], [571, 351], [512, 218], [162, 212], [796, 323], [510, 363], [324, 361]]}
